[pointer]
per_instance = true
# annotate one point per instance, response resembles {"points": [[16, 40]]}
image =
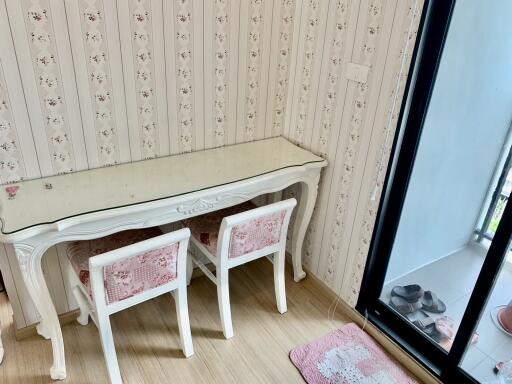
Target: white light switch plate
{"points": [[357, 72]]}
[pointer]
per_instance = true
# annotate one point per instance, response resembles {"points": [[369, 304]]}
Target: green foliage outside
{"points": [[496, 217]]}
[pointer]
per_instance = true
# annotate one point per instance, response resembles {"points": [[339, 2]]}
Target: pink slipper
{"points": [[445, 327]]}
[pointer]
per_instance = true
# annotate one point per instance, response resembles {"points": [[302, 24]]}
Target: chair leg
{"points": [[279, 259], [180, 299], [190, 269], [223, 298], [83, 318], [109, 349]]}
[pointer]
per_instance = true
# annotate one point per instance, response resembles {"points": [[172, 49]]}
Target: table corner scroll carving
{"points": [[23, 253]]}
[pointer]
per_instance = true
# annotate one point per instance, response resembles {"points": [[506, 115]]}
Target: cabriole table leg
{"points": [[29, 259], [308, 194]]}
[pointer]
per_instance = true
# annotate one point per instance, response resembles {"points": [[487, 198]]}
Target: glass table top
{"points": [[48, 200]]}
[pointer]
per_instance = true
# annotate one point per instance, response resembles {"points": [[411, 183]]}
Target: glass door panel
{"points": [[493, 343], [437, 252]]}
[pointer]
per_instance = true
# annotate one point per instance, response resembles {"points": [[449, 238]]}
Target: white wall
{"points": [[467, 122]]}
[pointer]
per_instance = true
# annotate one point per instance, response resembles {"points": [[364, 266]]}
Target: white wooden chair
{"points": [[124, 269], [238, 235]]}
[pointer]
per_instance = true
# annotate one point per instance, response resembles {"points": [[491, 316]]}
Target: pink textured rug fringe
{"points": [[348, 356]]}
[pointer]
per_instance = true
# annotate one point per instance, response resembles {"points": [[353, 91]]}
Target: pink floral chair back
{"points": [[260, 230], [132, 275], [256, 234], [141, 272]]}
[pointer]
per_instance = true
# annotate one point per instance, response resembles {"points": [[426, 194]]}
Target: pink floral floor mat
{"points": [[348, 356]]}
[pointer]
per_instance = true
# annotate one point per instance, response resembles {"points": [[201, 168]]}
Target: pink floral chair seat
{"points": [[245, 238], [131, 276]]}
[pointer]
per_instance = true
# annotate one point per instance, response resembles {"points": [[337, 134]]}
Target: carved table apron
{"points": [[31, 243]]}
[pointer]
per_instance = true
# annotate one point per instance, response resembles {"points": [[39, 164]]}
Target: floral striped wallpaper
{"points": [[91, 83], [107, 82], [11, 158], [350, 123], [99, 73]]}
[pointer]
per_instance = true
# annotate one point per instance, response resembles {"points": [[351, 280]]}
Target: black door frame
{"points": [[429, 46]]}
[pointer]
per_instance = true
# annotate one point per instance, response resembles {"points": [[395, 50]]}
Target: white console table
{"points": [[98, 202]]}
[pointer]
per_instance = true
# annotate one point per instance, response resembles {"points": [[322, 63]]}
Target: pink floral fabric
{"points": [[245, 238], [206, 227], [348, 356], [131, 276], [256, 234]]}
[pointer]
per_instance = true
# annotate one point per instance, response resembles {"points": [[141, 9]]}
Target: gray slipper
{"points": [[428, 326], [432, 303], [426, 322], [403, 306], [411, 293]]}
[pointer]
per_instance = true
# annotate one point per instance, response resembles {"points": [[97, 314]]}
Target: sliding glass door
{"points": [[438, 273], [485, 354]]}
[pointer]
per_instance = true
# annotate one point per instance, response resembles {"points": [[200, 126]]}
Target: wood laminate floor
{"points": [[147, 339]]}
